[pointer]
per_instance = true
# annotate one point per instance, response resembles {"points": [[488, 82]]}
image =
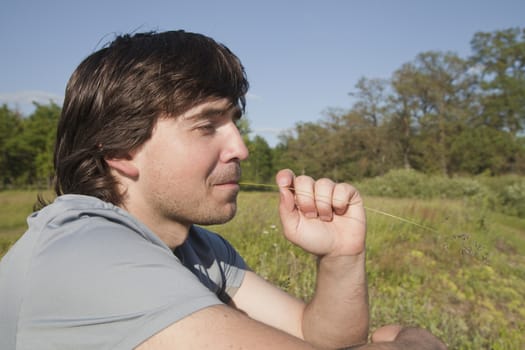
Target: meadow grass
{"points": [[459, 271], [15, 206]]}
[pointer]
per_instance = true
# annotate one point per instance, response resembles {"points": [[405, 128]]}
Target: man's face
{"points": [[189, 170]]}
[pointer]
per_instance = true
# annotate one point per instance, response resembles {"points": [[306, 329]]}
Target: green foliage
{"points": [[10, 125], [27, 147], [501, 57], [308, 151], [342, 147], [258, 167], [483, 149], [504, 194], [432, 95], [42, 130], [410, 183], [509, 193]]}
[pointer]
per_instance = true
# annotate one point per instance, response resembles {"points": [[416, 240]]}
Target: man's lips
{"points": [[230, 177], [228, 182]]}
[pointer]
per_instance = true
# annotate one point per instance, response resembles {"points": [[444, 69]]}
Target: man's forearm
{"points": [[337, 316]]}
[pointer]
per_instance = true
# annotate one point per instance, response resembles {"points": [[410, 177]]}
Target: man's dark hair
{"points": [[116, 95]]}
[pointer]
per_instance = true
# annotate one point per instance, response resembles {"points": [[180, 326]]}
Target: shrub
{"points": [[504, 194]]}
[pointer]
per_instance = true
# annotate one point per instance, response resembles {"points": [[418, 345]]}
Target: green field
{"points": [[458, 270]]}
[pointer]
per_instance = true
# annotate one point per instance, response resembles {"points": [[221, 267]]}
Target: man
{"points": [[147, 148]]}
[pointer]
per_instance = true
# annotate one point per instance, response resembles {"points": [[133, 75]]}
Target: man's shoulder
{"points": [[79, 218]]}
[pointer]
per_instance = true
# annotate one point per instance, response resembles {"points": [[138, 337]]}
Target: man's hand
{"points": [[322, 217], [328, 220]]}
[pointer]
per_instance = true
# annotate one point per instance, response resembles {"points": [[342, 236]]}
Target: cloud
{"points": [[253, 97], [26, 98]]}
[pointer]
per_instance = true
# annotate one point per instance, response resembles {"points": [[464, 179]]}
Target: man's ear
{"points": [[124, 165]]}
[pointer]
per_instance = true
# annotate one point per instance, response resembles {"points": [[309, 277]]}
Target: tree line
{"points": [[438, 114], [26, 146]]}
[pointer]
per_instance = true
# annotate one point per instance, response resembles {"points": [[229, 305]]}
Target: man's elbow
{"points": [[358, 336], [340, 339]]}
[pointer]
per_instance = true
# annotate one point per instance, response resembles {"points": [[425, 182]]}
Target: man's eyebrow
{"points": [[211, 112]]}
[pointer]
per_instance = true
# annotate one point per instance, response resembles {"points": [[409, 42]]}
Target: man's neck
{"points": [[172, 233]]}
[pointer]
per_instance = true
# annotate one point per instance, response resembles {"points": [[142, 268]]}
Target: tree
{"points": [[28, 153], [499, 57], [371, 99], [41, 130], [343, 146], [305, 148], [433, 99], [482, 149], [362, 147], [10, 127], [406, 108], [258, 167]]}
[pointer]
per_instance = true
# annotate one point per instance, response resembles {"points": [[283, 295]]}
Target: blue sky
{"points": [[302, 57]]}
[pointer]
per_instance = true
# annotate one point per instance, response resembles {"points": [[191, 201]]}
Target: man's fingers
{"points": [[341, 198], [322, 198], [316, 199], [304, 196], [386, 333], [285, 179], [323, 192]]}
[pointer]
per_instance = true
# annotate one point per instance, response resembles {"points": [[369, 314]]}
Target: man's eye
{"points": [[206, 128]]}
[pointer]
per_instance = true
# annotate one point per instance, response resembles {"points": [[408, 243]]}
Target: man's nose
{"points": [[236, 148]]}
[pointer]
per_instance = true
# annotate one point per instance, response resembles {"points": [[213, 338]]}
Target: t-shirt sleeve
{"points": [[110, 289], [232, 264], [215, 262]]}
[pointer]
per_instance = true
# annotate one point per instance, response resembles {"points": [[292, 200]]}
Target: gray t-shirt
{"points": [[87, 275]]}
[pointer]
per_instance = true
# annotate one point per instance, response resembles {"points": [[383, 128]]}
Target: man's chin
{"points": [[221, 217]]}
